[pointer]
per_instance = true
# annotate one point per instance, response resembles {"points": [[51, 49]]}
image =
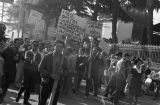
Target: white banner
{"points": [[40, 25], [52, 32], [124, 31], [71, 25], [94, 28], [34, 17], [7, 1], [76, 27], [105, 46]]}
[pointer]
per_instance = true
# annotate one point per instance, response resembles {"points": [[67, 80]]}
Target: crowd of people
{"points": [[36, 66]]}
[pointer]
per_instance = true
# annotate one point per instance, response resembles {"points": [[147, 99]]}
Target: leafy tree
{"points": [[142, 10], [13, 13]]}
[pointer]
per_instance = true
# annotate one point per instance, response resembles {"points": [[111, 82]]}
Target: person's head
{"points": [[69, 51], [143, 67], [125, 56], [95, 51], [17, 42], [35, 45], [27, 41], [118, 55], [112, 56], [80, 51], [58, 46], [48, 46], [132, 60], [2, 43], [138, 62], [41, 46], [149, 64]]}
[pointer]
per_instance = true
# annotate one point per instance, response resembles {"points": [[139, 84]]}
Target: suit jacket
{"points": [[46, 65], [32, 62]]}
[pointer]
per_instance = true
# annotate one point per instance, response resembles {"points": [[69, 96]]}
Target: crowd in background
{"points": [[34, 66]]}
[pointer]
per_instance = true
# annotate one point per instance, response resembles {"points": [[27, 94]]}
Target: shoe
{"points": [[74, 91], [155, 98], [94, 95], [17, 99], [26, 103], [85, 97]]}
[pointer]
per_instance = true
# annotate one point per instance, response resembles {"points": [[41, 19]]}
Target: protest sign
{"points": [[52, 32], [71, 25], [94, 28], [7, 1], [105, 46], [40, 25], [34, 16]]}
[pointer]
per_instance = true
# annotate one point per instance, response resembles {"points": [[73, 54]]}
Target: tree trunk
{"points": [[150, 21], [96, 9], [114, 21]]}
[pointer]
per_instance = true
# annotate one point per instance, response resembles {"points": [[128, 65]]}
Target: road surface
{"points": [[75, 99]]}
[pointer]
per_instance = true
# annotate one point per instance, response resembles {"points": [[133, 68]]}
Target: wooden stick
{"points": [[53, 92], [52, 96]]}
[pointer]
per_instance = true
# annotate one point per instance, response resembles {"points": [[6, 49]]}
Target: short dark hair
{"points": [[17, 39], [35, 41], [119, 54], [59, 41], [125, 55], [137, 60]]}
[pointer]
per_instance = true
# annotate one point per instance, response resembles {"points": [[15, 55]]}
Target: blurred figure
{"points": [[136, 80], [11, 57], [41, 49], [32, 60], [2, 47], [80, 68], [51, 68]]}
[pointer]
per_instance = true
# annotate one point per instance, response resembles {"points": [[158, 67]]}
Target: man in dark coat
{"points": [[32, 60], [11, 57], [50, 69]]}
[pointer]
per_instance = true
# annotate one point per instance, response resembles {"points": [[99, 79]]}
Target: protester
{"points": [[32, 60], [80, 68], [2, 47], [51, 68], [96, 65], [136, 80], [111, 86], [11, 57]]}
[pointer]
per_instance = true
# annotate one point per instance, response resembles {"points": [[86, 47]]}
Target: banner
{"points": [[124, 31], [32, 1], [7, 1], [34, 17], [40, 25], [71, 25], [94, 28], [76, 27], [106, 47], [52, 32], [107, 30]]}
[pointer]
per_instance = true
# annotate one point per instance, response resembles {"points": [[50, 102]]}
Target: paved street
{"points": [[76, 99], [71, 99]]}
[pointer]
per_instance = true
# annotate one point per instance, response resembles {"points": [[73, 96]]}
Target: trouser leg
{"points": [[88, 83]]}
